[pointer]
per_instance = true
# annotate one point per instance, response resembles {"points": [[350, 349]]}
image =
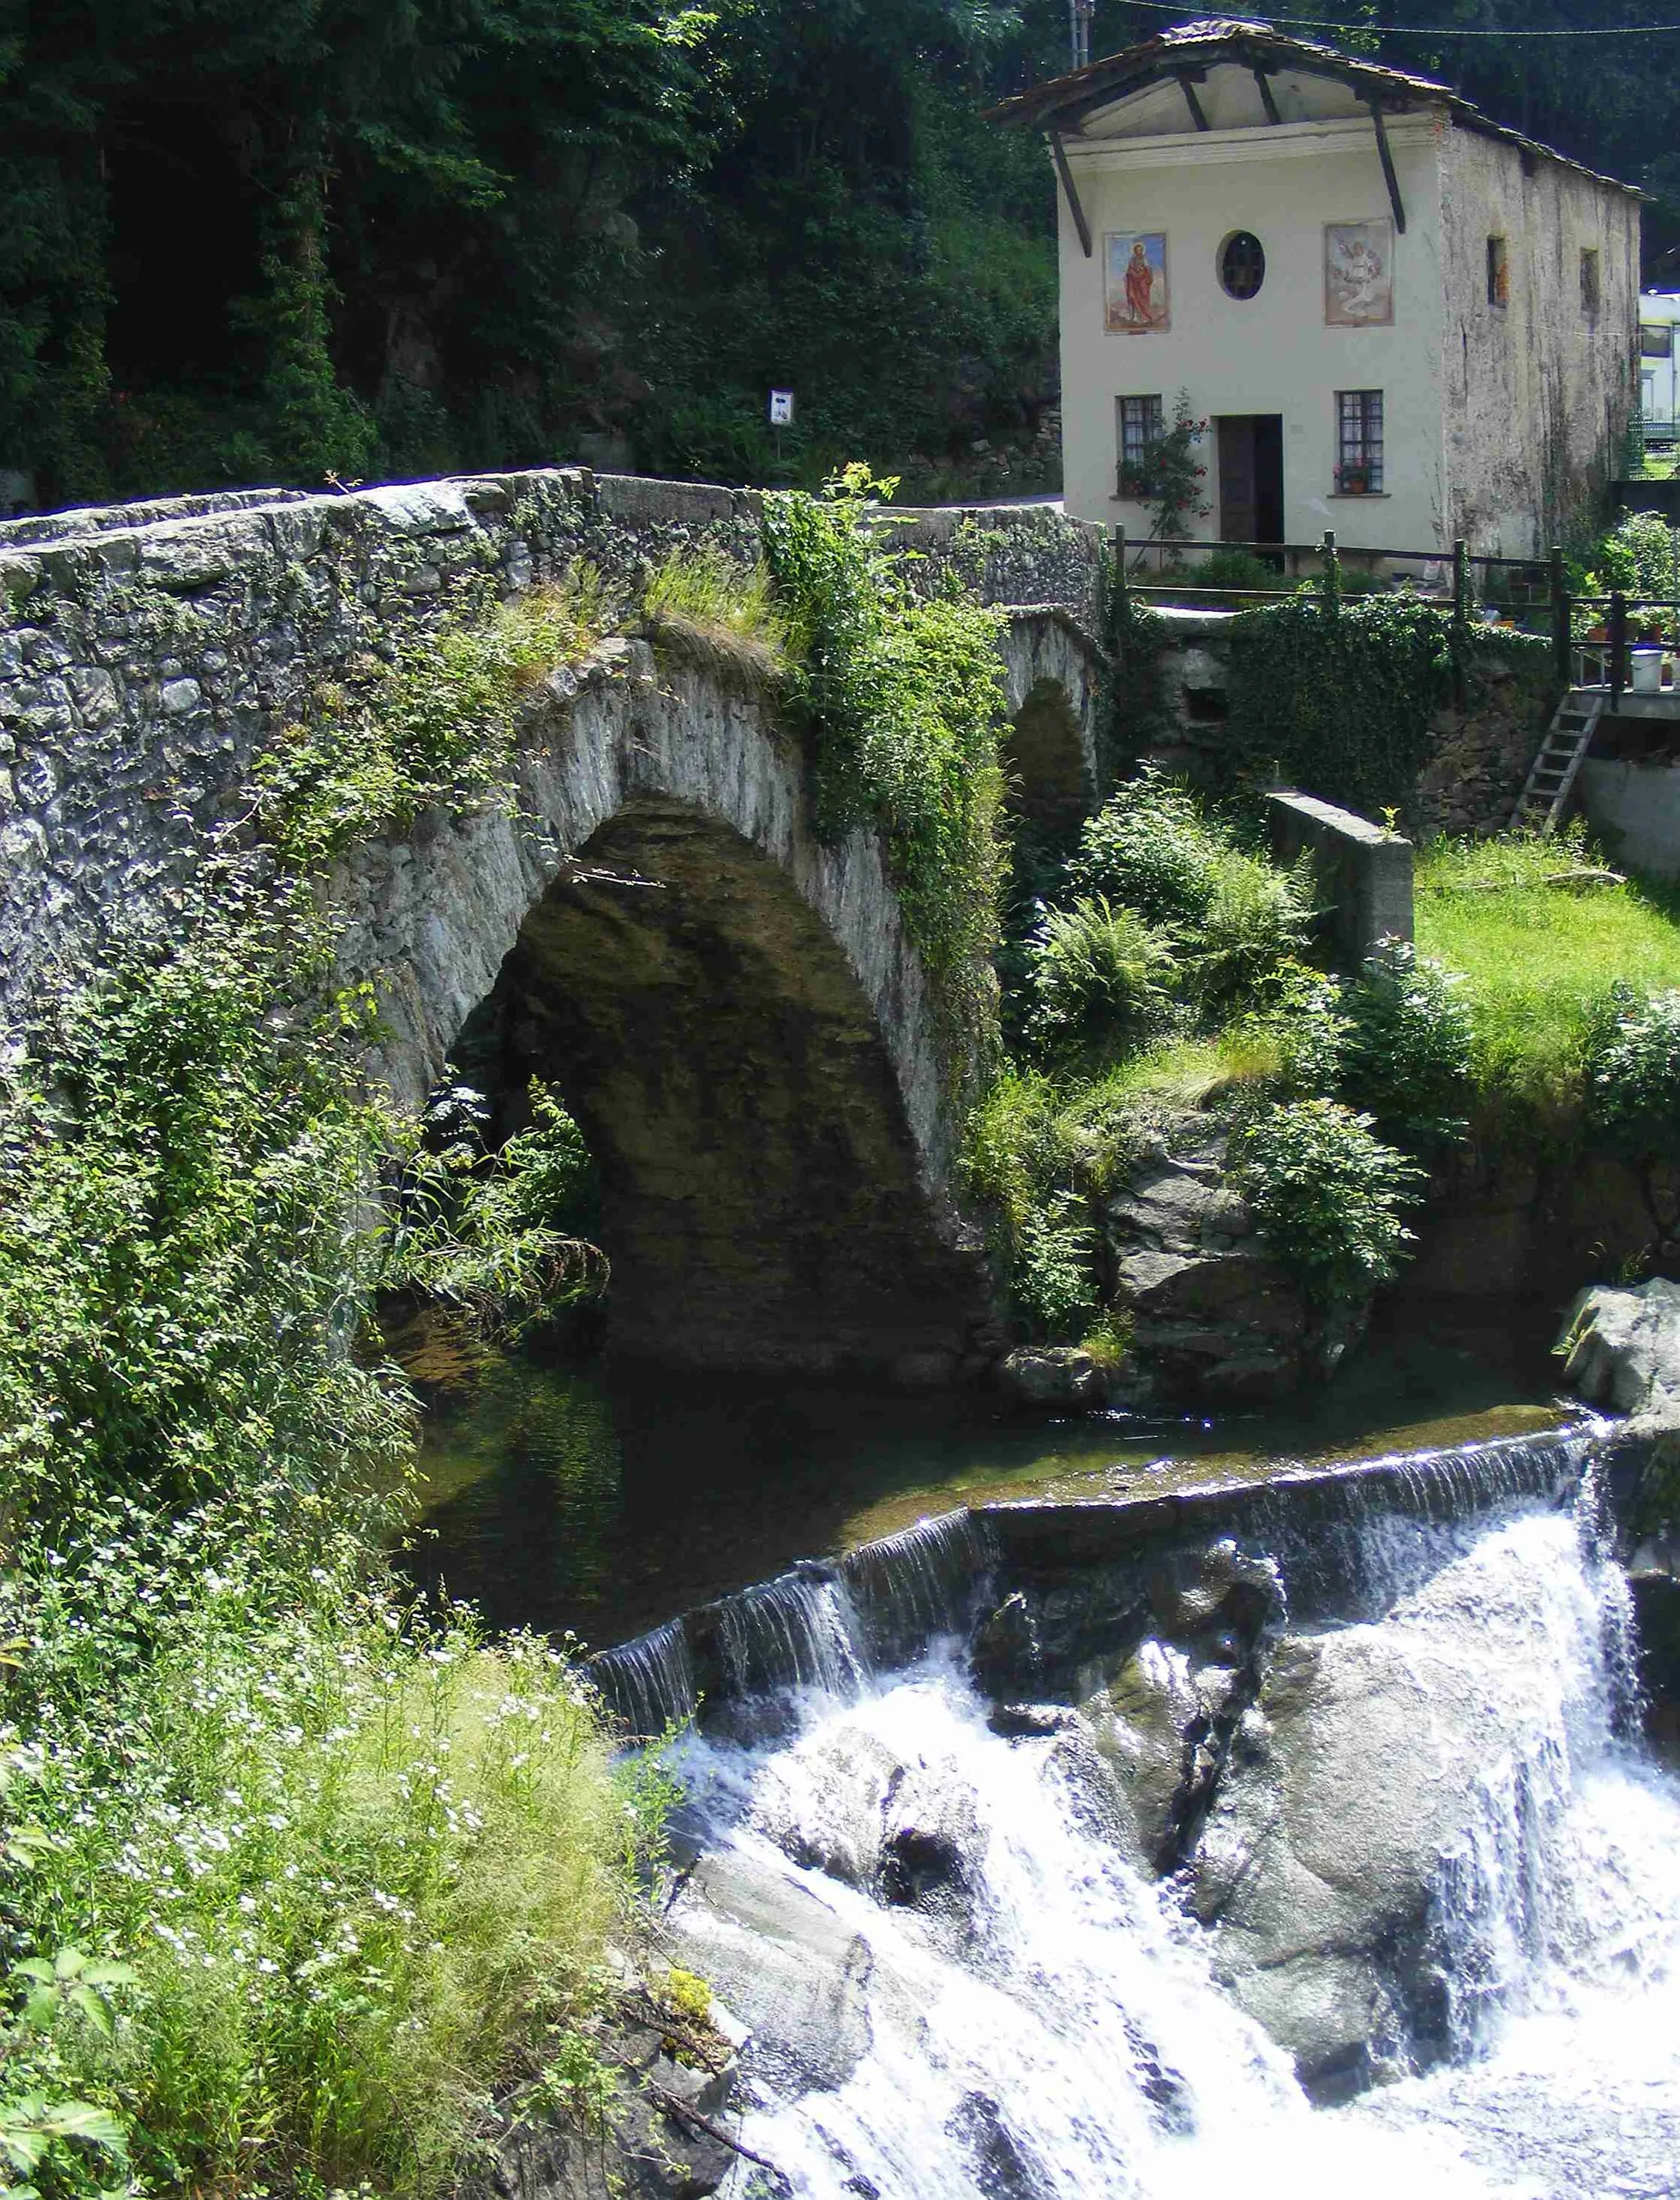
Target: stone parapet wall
{"points": [[150, 653]]}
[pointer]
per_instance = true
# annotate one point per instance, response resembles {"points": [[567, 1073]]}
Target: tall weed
{"points": [[360, 1866]]}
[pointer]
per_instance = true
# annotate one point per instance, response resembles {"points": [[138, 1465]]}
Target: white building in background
{"points": [[1659, 315], [1399, 319]]}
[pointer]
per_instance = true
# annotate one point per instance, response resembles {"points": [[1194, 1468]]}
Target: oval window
{"points": [[1242, 265]]}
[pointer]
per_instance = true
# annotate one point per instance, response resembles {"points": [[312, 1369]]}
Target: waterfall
{"points": [[961, 1986], [825, 1625], [648, 1682]]}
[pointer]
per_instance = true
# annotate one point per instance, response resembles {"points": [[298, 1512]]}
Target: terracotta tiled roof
{"points": [[1064, 100]]}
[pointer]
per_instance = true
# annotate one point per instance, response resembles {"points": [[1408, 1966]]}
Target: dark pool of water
{"points": [[564, 1498]]}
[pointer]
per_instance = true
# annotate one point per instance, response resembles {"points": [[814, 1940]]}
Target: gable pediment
{"points": [[1229, 95]]}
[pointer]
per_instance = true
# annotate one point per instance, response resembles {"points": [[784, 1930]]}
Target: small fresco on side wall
{"points": [[1358, 274], [1136, 301]]}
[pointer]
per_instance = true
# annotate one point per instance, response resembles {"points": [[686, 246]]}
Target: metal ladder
{"points": [[1551, 775]]}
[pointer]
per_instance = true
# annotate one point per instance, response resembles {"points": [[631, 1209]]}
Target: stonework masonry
{"points": [[150, 653]]}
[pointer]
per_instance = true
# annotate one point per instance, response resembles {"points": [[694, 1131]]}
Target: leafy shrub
{"points": [[360, 1866], [1097, 976], [1150, 847], [902, 699], [1237, 570], [1406, 1054], [1054, 1284], [433, 727], [1327, 1194], [500, 1236], [1295, 1033], [1036, 1154], [178, 1265], [1637, 557]]}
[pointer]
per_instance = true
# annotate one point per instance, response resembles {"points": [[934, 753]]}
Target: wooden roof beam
{"points": [[1074, 206], [1072, 116], [1262, 78], [1188, 80], [1387, 157]]}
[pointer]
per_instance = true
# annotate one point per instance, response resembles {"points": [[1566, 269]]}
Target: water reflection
{"points": [[567, 1498]]}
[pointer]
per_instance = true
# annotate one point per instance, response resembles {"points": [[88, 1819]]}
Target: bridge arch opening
{"points": [[1043, 754], [762, 1206]]}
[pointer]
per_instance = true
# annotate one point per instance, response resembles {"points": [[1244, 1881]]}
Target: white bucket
{"points": [[1648, 672]]}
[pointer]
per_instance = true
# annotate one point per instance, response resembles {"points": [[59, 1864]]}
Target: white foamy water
{"points": [[1054, 2031]]}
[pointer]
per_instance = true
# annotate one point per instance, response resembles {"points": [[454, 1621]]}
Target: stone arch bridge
{"points": [[731, 1006]]}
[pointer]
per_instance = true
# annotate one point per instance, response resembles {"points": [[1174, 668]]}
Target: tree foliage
{"points": [[316, 238]]}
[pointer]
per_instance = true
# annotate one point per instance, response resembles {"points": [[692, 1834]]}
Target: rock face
{"points": [[1302, 1737], [1215, 1315], [659, 2139]]}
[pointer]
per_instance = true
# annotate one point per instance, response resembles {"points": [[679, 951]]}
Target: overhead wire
{"points": [[1418, 30]]}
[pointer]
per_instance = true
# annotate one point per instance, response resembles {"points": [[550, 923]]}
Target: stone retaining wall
{"points": [[1176, 715]]}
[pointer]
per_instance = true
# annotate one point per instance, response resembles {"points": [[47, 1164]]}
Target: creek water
{"points": [[1054, 2028], [564, 1498]]}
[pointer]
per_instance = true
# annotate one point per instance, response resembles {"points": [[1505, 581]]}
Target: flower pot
{"points": [[1646, 672]]}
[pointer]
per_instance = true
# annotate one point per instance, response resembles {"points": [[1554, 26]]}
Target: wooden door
{"points": [[1236, 514]]}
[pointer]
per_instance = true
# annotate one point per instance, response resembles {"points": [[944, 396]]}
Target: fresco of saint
{"points": [[1135, 296], [1358, 274]]}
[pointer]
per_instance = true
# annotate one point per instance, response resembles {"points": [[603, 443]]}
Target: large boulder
{"points": [[1621, 1348]]}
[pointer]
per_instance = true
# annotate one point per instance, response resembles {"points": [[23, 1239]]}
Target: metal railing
{"points": [[1538, 588]]}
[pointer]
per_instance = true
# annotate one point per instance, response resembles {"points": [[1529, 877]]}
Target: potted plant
{"points": [[1354, 480]]}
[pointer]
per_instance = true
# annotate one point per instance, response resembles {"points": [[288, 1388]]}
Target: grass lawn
{"points": [[1536, 959]]}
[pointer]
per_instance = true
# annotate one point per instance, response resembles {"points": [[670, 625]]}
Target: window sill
{"points": [[1357, 495]]}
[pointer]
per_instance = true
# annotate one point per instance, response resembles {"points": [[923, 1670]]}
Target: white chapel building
{"points": [[1399, 319]]}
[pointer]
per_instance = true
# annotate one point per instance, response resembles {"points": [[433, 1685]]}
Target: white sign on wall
{"points": [[781, 408]]}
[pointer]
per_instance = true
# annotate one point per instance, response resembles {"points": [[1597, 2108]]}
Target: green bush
{"points": [[1054, 1285], [361, 1868], [1295, 1033], [1097, 977], [1038, 1152], [433, 728], [1150, 847], [178, 1271], [1406, 1057], [357, 1866], [1328, 1195], [1236, 570], [710, 606], [502, 1236], [1633, 1073], [1637, 557]]}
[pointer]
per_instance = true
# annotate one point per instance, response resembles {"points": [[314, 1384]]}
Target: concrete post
{"points": [[1363, 872]]}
